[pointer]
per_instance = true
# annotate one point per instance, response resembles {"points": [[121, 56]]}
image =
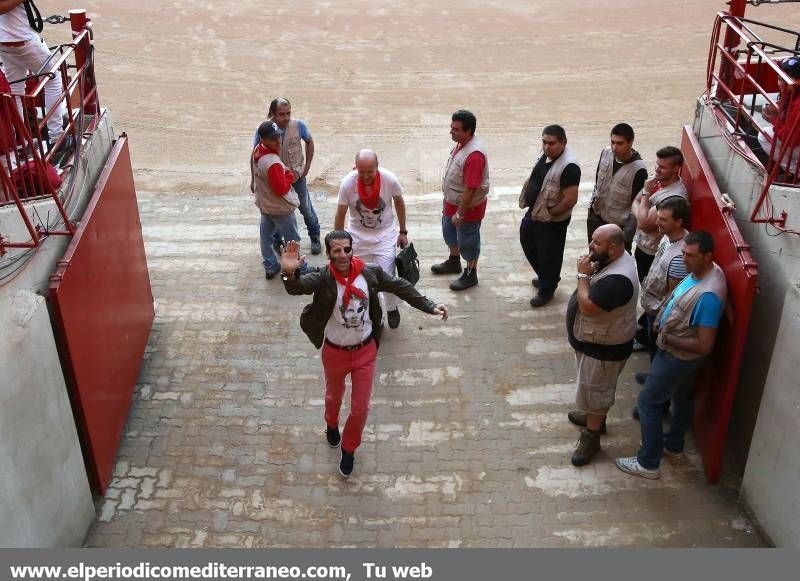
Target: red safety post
{"points": [[79, 23]]}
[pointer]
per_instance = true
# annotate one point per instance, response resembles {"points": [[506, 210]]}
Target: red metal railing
{"points": [[25, 161], [742, 80]]}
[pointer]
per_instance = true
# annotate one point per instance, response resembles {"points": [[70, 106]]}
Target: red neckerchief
{"points": [[656, 187], [260, 151], [356, 266], [370, 201]]}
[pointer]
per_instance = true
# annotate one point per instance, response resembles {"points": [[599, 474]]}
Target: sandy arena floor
{"points": [[468, 443]]}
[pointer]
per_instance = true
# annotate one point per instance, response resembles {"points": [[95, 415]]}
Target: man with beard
{"points": [[370, 193], [601, 323], [345, 314]]}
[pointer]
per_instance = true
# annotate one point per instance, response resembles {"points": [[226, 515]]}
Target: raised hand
{"points": [[291, 259]]}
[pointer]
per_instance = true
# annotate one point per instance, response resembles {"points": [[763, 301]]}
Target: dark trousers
{"points": [[543, 245]]}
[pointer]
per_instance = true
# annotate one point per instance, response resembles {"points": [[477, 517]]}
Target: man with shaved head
{"points": [[601, 324], [374, 195]]}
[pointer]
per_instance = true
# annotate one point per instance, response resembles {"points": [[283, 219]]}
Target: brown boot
{"points": [[588, 446]]}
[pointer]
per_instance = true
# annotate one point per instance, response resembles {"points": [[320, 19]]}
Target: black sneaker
{"points": [[346, 463], [579, 419], [270, 274], [468, 278], [450, 266], [535, 282], [641, 377], [333, 436], [542, 298], [588, 446], [393, 317], [316, 247]]}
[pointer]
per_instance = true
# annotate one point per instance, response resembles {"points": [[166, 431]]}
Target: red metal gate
{"points": [[103, 308], [716, 383]]}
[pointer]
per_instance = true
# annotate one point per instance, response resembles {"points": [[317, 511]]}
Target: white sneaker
{"points": [[631, 466]]}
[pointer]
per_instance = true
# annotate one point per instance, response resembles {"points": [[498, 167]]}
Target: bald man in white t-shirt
{"points": [[373, 195]]}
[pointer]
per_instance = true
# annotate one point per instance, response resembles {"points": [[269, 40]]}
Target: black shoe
{"points": [[579, 419], [467, 279], [316, 247], [542, 298], [333, 436], [535, 282], [641, 377], [394, 318], [270, 274], [450, 266], [346, 463], [588, 446]]}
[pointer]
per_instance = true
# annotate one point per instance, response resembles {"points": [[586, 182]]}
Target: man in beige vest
{"points": [[666, 183], [296, 137], [601, 323], [687, 329], [548, 196], [271, 182], [620, 176], [465, 186]]}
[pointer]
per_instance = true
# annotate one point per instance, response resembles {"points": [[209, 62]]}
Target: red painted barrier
{"points": [[103, 309], [716, 383]]}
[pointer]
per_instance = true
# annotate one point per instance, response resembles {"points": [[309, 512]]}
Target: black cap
{"points": [[791, 66], [269, 130]]}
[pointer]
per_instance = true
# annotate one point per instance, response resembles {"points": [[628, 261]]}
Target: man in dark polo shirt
{"points": [[601, 323], [547, 197]]}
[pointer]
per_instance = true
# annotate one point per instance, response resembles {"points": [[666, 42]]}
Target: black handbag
{"points": [[408, 264]]}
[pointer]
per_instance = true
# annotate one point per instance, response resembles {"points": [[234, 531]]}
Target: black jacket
{"points": [[320, 282]]}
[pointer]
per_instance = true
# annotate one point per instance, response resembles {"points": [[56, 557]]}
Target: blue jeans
{"points": [[670, 378], [467, 237], [306, 209], [270, 225]]}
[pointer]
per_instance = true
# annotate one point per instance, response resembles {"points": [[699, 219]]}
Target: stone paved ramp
{"points": [[467, 443]]}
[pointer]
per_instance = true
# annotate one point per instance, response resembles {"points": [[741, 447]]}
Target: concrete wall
{"points": [[44, 492], [765, 426], [778, 258], [772, 478]]}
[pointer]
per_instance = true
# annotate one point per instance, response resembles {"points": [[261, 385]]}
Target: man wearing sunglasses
{"points": [[344, 319]]}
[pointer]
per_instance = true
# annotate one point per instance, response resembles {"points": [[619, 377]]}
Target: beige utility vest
{"points": [[551, 194], [292, 149], [611, 198], [680, 316], [453, 181], [647, 242], [654, 286], [618, 325], [266, 200]]}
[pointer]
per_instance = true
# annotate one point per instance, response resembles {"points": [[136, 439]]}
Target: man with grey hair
{"points": [[374, 195]]}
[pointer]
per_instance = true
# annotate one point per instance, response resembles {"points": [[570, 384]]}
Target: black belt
{"points": [[349, 347]]}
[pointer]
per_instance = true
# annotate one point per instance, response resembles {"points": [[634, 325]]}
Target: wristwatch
{"points": [[581, 275]]}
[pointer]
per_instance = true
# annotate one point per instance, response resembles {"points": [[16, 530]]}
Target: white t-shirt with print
{"points": [[353, 325], [14, 26], [371, 229]]}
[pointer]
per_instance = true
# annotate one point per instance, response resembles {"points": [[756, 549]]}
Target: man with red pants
{"points": [[344, 319]]}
